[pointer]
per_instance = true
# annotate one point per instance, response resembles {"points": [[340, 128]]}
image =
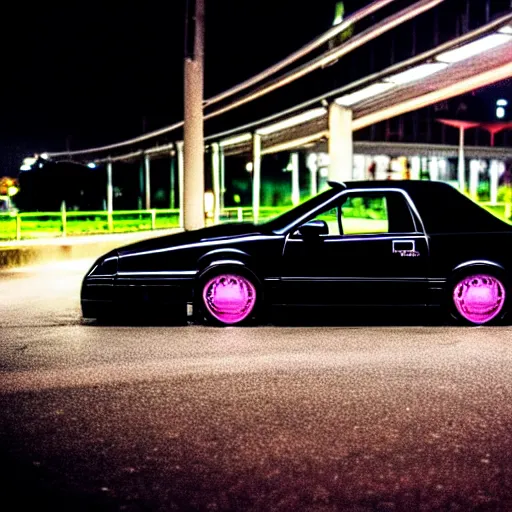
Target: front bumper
{"points": [[107, 297], [97, 308], [97, 296]]}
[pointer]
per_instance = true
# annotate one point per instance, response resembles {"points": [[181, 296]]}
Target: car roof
{"points": [[441, 206], [422, 185]]}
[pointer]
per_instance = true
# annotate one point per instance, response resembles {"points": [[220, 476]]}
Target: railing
{"points": [[501, 210], [29, 225], [244, 213], [18, 226]]}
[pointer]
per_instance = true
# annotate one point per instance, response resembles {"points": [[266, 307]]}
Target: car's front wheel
{"points": [[228, 298], [479, 298]]}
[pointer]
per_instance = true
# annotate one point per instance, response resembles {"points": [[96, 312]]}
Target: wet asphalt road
{"points": [[288, 418]]}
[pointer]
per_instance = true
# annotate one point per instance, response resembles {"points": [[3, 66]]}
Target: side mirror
{"points": [[314, 228]]}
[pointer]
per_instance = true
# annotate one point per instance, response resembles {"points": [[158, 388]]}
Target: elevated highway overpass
{"points": [[476, 59]]}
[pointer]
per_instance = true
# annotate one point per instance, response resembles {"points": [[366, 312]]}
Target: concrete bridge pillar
{"points": [[340, 143], [461, 167], [494, 180], [181, 174], [474, 178], [147, 182], [311, 164], [222, 177], [172, 170], [110, 197], [294, 168], [216, 181], [256, 175]]}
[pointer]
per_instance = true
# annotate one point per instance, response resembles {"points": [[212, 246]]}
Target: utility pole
{"points": [[193, 135]]}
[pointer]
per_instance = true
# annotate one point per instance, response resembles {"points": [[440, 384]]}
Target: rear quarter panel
{"points": [[448, 250]]}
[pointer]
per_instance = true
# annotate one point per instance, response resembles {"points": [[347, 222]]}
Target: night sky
{"points": [[83, 73], [76, 74]]}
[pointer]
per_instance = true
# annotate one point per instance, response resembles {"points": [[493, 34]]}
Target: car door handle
{"points": [[403, 245]]}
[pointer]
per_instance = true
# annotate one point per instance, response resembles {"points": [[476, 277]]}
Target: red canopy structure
{"points": [[462, 126], [495, 127], [492, 127]]}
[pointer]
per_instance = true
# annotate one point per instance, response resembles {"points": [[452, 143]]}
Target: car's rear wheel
{"points": [[479, 298], [228, 298]]}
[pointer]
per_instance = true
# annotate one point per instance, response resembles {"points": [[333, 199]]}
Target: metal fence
{"points": [[30, 225]]}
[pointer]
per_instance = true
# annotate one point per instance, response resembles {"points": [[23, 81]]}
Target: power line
{"points": [[391, 70]]}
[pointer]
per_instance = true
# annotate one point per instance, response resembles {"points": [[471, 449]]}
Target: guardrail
{"points": [[244, 213], [29, 225], [26, 225], [502, 210]]}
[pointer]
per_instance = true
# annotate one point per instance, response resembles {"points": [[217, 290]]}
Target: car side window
{"points": [[368, 213], [331, 218], [364, 214]]}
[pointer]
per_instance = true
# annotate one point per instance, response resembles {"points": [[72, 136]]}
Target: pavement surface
{"points": [[398, 415]]}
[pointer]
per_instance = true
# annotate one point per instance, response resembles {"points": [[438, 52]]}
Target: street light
{"points": [[12, 190], [501, 111]]}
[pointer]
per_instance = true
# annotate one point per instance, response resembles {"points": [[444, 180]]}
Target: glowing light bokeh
{"points": [[229, 298], [479, 298]]}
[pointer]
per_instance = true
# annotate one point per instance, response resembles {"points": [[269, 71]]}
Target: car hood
{"points": [[189, 237]]}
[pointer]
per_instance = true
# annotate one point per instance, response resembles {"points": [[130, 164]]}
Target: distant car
{"points": [[371, 243]]}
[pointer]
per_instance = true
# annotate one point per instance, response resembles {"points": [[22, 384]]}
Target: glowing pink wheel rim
{"points": [[229, 298], [479, 298]]}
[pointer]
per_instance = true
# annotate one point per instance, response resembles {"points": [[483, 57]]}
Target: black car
{"points": [[371, 243]]}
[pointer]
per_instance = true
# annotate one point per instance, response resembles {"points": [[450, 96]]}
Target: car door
{"points": [[375, 254]]}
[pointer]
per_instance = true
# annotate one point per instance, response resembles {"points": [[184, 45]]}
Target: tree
{"points": [[8, 186]]}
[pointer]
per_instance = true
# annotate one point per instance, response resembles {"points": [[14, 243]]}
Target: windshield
{"points": [[288, 218]]}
